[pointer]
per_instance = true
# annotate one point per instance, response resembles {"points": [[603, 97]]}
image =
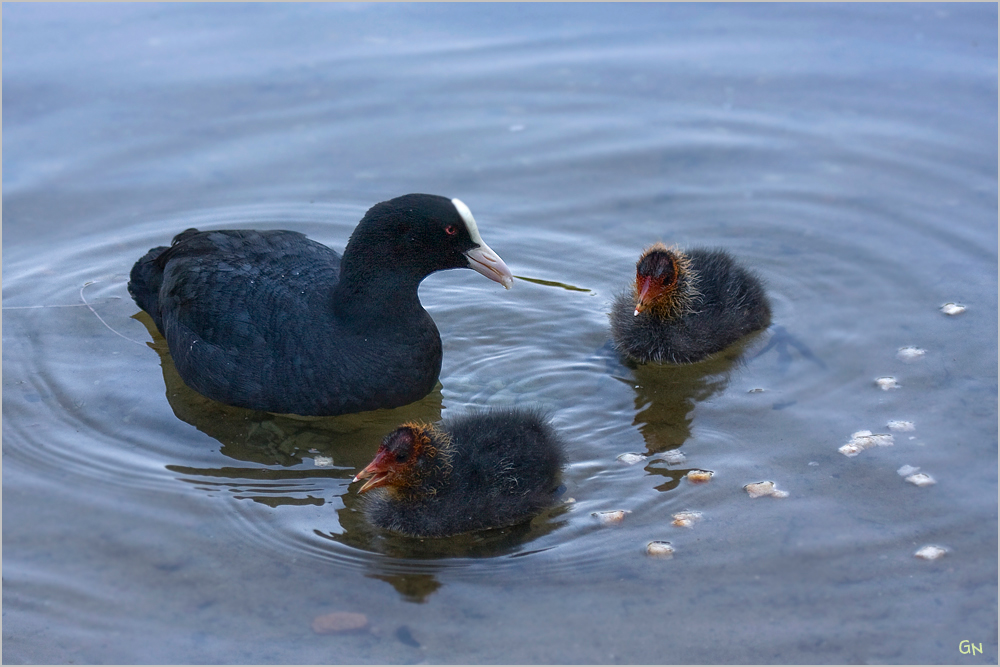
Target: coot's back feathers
{"points": [[717, 301], [270, 320], [483, 470]]}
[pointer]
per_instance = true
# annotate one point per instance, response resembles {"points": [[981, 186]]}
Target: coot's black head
{"points": [[406, 458], [659, 284], [419, 234]]}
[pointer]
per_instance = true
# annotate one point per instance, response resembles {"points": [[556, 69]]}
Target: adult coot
{"points": [[483, 470], [685, 306], [270, 320]]}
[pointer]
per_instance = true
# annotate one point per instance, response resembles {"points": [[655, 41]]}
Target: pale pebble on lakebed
{"points": [[630, 458], [610, 517], [921, 479], [760, 489], [674, 456], [910, 353], [900, 425], [339, 621], [952, 309], [685, 519], [930, 552], [886, 383], [658, 549], [862, 440]]}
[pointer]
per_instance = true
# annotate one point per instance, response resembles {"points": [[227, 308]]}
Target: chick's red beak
{"points": [[645, 293], [380, 471]]}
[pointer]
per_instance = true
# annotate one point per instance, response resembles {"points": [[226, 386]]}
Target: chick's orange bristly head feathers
{"points": [[655, 276], [400, 458], [663, 284]]}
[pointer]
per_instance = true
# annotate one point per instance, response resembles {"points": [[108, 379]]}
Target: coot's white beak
{"points": [[482, 259]]}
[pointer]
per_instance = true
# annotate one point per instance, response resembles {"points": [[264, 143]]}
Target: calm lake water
{"points": [[847, 152]]}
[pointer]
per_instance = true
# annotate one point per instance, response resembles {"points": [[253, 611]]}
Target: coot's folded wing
{"points": [[244, 287]]}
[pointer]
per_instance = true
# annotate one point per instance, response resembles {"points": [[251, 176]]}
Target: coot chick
{"points": [[272, 321], [685, 306], [483, 470]]}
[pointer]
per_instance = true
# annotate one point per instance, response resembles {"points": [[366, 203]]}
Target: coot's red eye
{"points": [[451, 230]]}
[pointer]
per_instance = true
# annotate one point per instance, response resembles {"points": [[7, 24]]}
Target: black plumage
{"points": [[685, 306], [483, 470], [270, 320]]}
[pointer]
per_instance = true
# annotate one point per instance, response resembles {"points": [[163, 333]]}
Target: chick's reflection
{"points": [[666, 394]]}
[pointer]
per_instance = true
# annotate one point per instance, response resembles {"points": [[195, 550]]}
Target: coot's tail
{"points": [[147, 276], [144, 284]]}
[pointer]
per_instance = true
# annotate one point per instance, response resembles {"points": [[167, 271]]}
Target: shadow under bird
{"points": [[273, 321], [685, 306], [483, 470]]}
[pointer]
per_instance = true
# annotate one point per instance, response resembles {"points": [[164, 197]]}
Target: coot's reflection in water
{"points": [[283, 440]]}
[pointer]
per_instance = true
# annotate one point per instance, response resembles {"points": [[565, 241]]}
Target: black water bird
{"points": [[272, 321], [483, 470], [685, 306]]}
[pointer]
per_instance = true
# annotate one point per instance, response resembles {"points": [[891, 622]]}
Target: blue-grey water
{"points": [[847, 152]]}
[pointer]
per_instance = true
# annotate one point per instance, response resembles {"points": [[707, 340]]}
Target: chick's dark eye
{"points": [[451, 230], [401, 457]]}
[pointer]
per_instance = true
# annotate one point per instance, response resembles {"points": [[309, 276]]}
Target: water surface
{"points": [[847, 152]]}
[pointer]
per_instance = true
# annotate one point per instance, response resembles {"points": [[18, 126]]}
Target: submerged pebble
{"points": [[339, 621], [921, 479], [870, 439], [630, 458], [900, 425], [850, 449], [952, 309], [907, 470], [610, 517], [658, 549], [886, 383], [759, 489], [910, 353], [674, 456], [686, 519], [862, 440], [699, 476], [930, 552]]}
